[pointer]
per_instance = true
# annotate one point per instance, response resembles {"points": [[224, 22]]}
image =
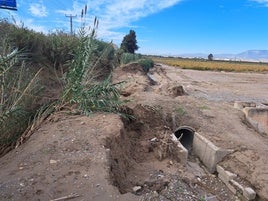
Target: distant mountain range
{"points": [[250, 55]]}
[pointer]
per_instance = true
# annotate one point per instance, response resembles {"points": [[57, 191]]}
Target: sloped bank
{"points": [[140, 151], [146, 156]]}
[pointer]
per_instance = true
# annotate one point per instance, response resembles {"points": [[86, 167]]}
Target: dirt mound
{"points": [[177, 91], [133, 68]]}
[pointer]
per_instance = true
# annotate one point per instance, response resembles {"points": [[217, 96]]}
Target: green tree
{"points": [[210, 57], [129, 43]]}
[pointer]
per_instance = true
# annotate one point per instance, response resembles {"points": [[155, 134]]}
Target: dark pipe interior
{"points": [[186, 137]]}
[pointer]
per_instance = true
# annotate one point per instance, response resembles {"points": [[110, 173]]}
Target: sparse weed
{"points": [[202, 199], [204, 107], [180, 111]]}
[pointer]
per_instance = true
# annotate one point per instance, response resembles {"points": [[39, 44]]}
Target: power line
{"points": [[71, 22]]}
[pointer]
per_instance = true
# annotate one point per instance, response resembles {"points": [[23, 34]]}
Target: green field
{"points": [[203, 64]]}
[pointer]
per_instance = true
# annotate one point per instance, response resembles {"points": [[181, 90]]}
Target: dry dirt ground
{"points": [[105, 157]]}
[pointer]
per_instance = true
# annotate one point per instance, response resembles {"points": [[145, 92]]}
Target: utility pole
{"points": [[71, 22]]}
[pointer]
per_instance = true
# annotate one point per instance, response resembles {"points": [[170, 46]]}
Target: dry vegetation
{"points": [[40, 73], [203, 64]]}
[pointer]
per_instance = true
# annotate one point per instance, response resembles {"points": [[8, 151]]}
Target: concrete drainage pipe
{"points": [[185, 134]]}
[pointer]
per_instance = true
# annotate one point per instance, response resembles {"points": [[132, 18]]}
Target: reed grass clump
{"points": [[82, 86], [19, 90]]}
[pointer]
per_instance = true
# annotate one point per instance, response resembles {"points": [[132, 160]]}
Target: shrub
{"points": [[54, 49], [118, 55], [146, 64], [129, 57], [59, 49], [102, 58]]}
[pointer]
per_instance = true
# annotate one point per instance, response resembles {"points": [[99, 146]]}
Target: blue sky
{"points": [[167, 27]]}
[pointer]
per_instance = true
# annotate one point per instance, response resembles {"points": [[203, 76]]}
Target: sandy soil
{"points": [[105, 157]]}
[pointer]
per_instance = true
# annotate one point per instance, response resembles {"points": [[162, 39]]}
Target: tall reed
{"points": [[19, 90], [82, 87]]}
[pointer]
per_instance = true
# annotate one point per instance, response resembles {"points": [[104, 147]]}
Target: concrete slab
{"points": [[241, 105], [208, 153], [237, 188], [258, 118], [179, 152], [249, 193], [225, 175]]}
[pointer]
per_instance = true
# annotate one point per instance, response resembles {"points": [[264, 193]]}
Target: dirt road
{"points": [[222, 86]]}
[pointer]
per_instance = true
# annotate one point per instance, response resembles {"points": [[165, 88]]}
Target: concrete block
{"points": [[239, 188], [249, 193], [225, 175], [258, 118], [208, 153], [212, 198], [178, 152], [231, 188], [240, 104], [228, 178]]}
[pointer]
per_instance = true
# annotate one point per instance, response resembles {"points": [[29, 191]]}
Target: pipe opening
{"points": [[185, 135]]}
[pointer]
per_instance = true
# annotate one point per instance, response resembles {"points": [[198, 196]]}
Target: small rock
{"points": [[155, 193], [249, 193], [22, 184], [153, 139], [136, 188], [52, 161], [170, 163], [177, 91], [82, 123]]}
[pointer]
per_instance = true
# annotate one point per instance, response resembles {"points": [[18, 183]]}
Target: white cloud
{"points": [[30, 23], [38, 10], [265, 2], [114, 14]]}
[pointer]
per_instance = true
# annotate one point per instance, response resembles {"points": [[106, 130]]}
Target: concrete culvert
{"points": [[185, 134]]}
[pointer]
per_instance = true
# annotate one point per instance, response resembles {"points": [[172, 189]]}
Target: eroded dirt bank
{"points": [[103, 157], [66, 156]]}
